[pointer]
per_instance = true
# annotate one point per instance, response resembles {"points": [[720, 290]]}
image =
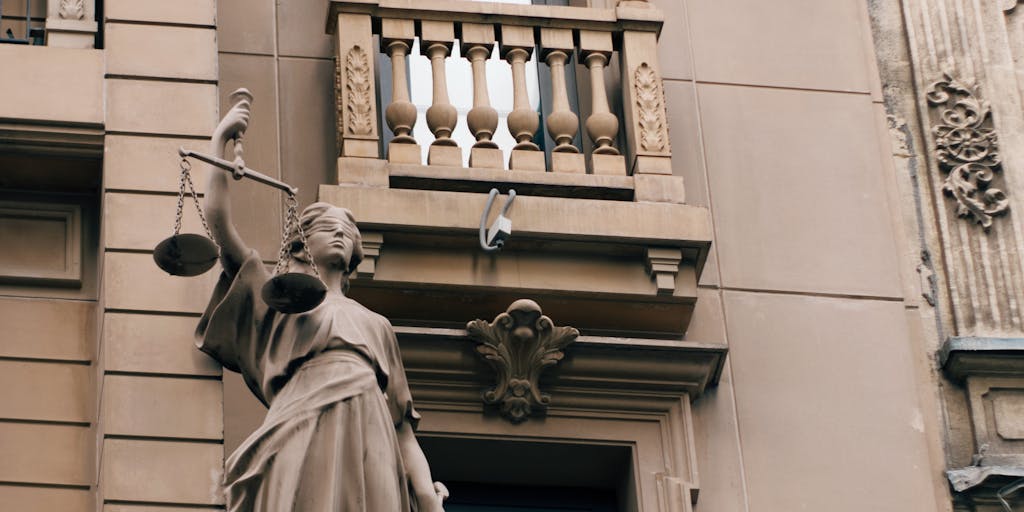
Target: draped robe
{"points": [[336, 390]]}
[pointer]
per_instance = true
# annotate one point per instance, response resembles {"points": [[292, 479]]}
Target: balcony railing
{"points": [[65, 23], [624, 38]]}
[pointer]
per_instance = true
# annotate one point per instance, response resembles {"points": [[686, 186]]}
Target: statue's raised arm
{"points": [[233, 250]]}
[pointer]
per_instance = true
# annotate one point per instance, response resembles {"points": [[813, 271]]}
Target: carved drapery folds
{"points": [[519, 345], [651, 110], [966, 146]]}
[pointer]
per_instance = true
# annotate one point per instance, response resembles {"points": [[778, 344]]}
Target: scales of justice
{"points": [[190, 254]]}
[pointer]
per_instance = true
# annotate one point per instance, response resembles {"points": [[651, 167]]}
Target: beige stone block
{"points": [[154, 407], [513, 36], [404, 153], [486, 158], [367, 172], [522, 160], [157, 51], [308, 134], [134, 282], [595, 41], [444, 155], [610, 165], [149, 164], [568, 162], [140, 222], [717, 449], [300, 29], [853, 351], [171, 108], [826, 226], [46, 454], [476, 34], [556, 39], [360, 147], [392, 29], [647, 164], [659, 189], [42, 93], [158, 344], [162, 471], [436, 32], [184, 12], [806, 38], [684, 133], [48, 329], [708, 322], [45, 499], [674, 43], [248, 26], [46, 391]]}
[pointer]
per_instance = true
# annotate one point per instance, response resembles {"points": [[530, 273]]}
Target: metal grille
{"points": [[18, 26]]}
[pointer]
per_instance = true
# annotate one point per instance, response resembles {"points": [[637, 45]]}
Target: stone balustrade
{"points": [[623, 38]]}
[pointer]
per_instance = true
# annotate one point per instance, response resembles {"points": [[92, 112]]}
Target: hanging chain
{"points": [[185, 180], [292, 223]]}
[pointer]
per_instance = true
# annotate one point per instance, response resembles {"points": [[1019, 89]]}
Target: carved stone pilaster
{"points": [[354, 87], [519, 345], [663, 265]]}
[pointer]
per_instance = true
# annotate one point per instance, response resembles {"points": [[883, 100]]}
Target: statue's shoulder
{"points": [[373, 316]]}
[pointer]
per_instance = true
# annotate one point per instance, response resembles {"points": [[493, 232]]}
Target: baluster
{"points": [[396, 39], [477, 41], [557, 47], [436, 43], [517, 44], [602, 125]]}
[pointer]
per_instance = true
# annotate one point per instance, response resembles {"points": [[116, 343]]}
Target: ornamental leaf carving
{"points": [[359, 88], [967, 149], [650, 104], [339, 108], [71, 9], [519, 345]]}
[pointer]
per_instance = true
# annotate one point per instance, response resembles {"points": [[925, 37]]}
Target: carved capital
{"points": [[663, 265], [519, 345], [967, 149]]}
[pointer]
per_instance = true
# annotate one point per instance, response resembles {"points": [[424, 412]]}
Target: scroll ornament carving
{"points": [[967, 148], [72, 9], [650, 103], [359, 107], [519, 345]]}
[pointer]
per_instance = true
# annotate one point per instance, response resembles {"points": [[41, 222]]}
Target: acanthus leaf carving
{"points": [[519, 345], [71, 9], [650, 103], [967, 149], [359, 88]]}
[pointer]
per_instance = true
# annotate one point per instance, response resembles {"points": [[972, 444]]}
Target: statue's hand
{"points": [[233, 124]]}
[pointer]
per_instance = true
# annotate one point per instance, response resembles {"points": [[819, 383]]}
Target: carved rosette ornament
{"points": [[650, 104], [71, 9], [358, 108], [519, 345], [966, 147]]}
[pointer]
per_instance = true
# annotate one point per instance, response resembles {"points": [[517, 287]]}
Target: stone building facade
{"points": [[794, 259]]}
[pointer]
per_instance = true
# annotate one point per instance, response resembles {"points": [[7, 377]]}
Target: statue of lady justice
{"points": [[339, 432]]}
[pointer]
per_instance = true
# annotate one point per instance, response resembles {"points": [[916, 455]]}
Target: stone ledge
{"points": [[964, 356], [592, 364]]}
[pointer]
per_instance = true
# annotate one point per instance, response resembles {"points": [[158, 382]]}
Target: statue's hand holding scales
{"points": [[319, 360]]}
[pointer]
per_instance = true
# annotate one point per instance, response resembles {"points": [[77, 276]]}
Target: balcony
{"points": [[601, 236]]}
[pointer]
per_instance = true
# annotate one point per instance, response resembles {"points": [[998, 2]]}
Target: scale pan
{"points": [[294, 292], [186, 255]]}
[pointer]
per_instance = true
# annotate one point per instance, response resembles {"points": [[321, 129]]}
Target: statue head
{"points": [[331, 231]]}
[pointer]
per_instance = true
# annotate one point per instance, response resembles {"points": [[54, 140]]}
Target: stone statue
{"points": [[338, 435]]}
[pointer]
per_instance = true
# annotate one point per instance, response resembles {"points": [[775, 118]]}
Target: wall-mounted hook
{"points": [[493, 239]]}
